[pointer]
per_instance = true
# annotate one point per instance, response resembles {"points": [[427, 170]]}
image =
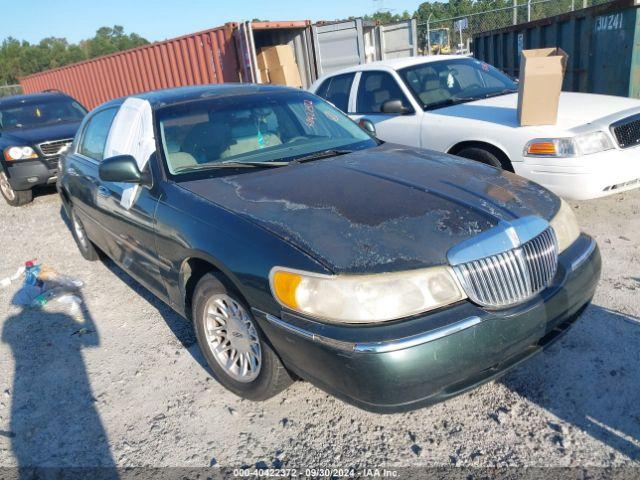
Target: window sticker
{"points": [[485, 67], [331, 116], [310, 113]]}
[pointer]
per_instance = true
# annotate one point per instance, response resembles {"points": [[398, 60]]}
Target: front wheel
{"points": [[15, 198], [484, 156], [233, 345]]}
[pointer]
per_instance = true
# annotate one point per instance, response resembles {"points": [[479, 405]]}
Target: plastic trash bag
{"points": [[43, 284]]}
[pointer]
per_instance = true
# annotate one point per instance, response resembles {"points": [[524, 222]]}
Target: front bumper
{"points": [[586, 177], [26, 174], [412, 363]]}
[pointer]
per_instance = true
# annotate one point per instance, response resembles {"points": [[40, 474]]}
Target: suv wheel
{"points": [[233, 345], [15, 198], [87, 249]]}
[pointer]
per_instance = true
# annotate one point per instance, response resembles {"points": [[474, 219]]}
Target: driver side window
{"points": [[94, 137], [374, 89]]}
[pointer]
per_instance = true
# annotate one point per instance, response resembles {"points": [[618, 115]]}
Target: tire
{"points": [[87, 249], [484, 156], [237, 331], [15, 198]]}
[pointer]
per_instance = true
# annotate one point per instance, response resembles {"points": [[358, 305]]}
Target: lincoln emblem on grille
{"points": [[508, 264]]}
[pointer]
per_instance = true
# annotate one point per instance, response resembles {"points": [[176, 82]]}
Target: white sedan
{"points": [[466, 107]]}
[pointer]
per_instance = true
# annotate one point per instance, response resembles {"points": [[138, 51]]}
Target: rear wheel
{"points": [[232, 343], [87, 249], [484, 156], [15, 198]]}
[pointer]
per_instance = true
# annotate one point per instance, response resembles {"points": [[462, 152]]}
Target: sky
{"points": [[161, 19]]}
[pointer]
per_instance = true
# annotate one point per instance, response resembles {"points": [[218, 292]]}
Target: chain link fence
{"points": [[455, 35]]}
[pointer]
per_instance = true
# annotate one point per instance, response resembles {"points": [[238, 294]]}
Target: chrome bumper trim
{"points": [[584, 255], [379, 347], [415, 340]]}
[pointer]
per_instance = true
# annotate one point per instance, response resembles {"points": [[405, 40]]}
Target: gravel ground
{"points": [[124, 383]]}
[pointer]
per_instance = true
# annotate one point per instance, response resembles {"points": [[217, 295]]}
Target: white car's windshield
{"points": [[254, 130], [448, 82]]}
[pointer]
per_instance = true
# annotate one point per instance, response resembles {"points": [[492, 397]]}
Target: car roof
{"points": [[15, 100], [397, 63], [172, 96]]}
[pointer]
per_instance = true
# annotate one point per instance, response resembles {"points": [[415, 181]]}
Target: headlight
{"points": [[566, 226], [19, 153], [593, 143], [584, 144], [365, 298]]}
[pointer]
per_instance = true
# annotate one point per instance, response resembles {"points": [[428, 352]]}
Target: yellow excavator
{"points": [[438, 42]]}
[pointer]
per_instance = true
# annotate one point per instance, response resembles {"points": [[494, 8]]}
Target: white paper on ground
{"points": [[131, 133]]}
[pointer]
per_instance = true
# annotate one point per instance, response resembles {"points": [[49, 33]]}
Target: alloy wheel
{"points": [[232, 338], [79, 231]]}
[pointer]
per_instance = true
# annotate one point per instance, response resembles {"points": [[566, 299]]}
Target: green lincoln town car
{"points": [[300, 246]]}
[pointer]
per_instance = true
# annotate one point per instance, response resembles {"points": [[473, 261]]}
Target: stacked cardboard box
{"points": [[277, 65]]}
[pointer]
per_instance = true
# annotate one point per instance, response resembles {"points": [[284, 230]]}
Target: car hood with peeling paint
{"points": [[385, 209]]}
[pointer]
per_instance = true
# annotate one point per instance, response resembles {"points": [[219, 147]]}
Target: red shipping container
{"points": [[199, 58]]}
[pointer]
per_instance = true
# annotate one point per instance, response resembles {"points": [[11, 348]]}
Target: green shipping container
{"points": [[603, 43]]}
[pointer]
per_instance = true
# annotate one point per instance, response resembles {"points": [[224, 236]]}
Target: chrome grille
{"points": [[511, 277], [54, 147], [627, 131]]}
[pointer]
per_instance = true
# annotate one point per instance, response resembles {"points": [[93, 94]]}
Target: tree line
{"points": [[19, 58], [438, 10]]}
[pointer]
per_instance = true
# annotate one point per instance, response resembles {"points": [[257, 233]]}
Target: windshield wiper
{"points": [[449, 102], [456, 100], [234, 164], [318, 155], [506, 91]]}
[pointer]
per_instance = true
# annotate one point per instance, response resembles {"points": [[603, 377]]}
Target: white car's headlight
{"points": [[584, 144], [594, 142], [19, 153], [365, 298], [565, 225]]}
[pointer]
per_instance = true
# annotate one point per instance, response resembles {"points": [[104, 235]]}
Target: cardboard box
{"points": [[285, 75], [275, 56], [261, 56], [264, 76], [541, 76]]}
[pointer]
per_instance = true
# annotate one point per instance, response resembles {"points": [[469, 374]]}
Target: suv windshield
{"points": [[32, 114], [253, 130], [447, 82]]}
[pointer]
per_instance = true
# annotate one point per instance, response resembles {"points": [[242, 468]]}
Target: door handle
{"points": [[104, 191]]}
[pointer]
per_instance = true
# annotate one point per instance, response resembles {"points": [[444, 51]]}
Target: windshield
{"points": [[252, 129], [448, 82], [30, 114]]}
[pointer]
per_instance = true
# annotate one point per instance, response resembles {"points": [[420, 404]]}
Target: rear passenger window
{"points": [[95, 134], [374, 89], [336, 90]]}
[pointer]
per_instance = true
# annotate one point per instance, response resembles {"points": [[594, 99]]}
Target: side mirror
{"points": [[368, 126], [395, 107], [123, 169]]}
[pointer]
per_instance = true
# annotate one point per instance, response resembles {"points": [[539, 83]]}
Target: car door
{"points": [[127, 235], [81, 172], [132, 231], [373, 89]]}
